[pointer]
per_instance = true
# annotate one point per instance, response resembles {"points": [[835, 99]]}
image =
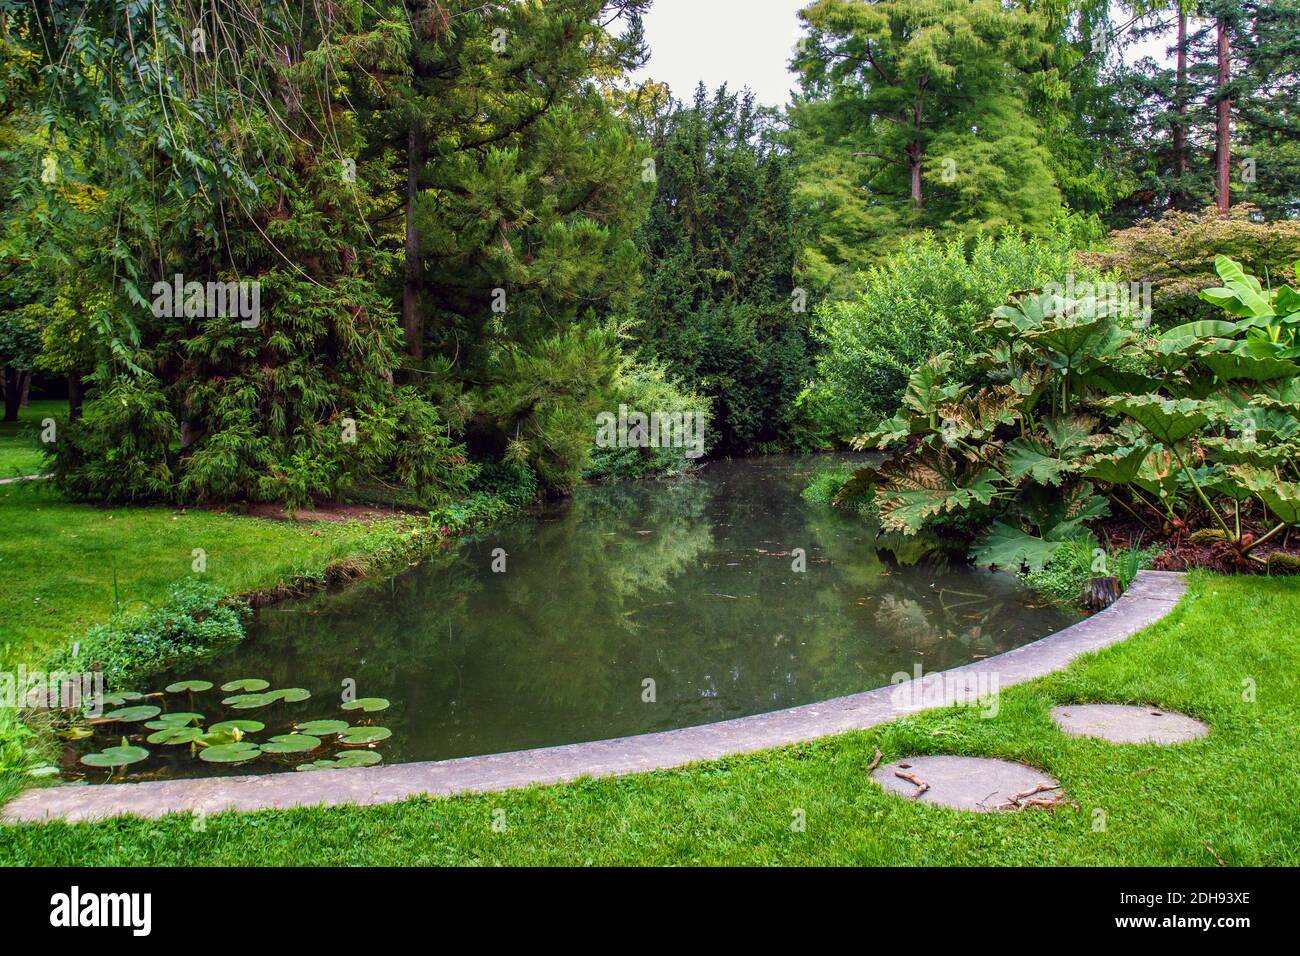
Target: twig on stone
{"points": [[875, 761], [921, 785]]}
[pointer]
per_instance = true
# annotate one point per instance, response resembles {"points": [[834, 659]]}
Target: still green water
{"points": [[690, 584]]}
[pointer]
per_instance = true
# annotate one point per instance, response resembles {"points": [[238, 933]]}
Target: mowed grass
{"points": [[65, 566], [20, 449], [1228, 655]]}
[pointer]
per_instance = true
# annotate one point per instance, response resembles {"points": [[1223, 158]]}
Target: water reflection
{"points": [[687, 584]]}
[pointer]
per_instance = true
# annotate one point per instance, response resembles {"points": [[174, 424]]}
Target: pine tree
{"points": [[523, 192]]}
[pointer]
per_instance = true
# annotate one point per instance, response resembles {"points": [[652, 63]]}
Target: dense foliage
{"points": [[376, 251], [927, 298], [720, 306], [1077, 415]]}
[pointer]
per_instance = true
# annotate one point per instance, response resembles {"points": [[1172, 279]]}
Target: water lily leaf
{"points": [[119, 756], [119, 698], [243, 726], [231, 753], [133, 714], [194, 686], [291, 744], [353, 758], [77, 732], [290, 695], [175, 735], [174, 719], [216, 738], [358, 758], [46, 771], [367, 704], [358, 736], [250, 684], [248, 701], [322, 727]]}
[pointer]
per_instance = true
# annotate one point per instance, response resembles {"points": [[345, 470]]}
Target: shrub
{"points": [[928, 298], [1064, 578], [122, 448], [646, 387], [1176, 254], [1196, 428], [194, 625]]}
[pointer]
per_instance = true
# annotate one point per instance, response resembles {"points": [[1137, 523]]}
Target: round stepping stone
{"points": [[967, 783], [1124, 724]]}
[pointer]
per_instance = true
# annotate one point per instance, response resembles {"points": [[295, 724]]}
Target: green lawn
{"points": [[65, 566], [20, 452], [1230, 796]]}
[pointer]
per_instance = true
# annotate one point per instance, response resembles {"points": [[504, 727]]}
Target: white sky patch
{"points": [[750, 43]]}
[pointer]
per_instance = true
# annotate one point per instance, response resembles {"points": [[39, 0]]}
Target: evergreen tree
{"points": [[925, 105], [720, 306], [523, 192]]}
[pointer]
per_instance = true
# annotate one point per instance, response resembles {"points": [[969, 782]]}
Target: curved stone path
{"points": [[1126, 724], [1151, 596]]}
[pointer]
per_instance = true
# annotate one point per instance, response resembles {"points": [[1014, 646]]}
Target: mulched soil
{"points": [[1181, 553]]}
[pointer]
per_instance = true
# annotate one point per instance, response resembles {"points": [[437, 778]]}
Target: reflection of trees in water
{"points": [[689, 583]]}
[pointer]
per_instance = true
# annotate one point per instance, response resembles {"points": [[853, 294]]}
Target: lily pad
{"points": [[250, 684], [175, 735], [243, 726], [194, 686], [132, 714], [367, 704], [290, 695], [77, 732], [359, 736], [354, 758], [322, 727], [119, 756], [174, 719], [119, 698], [291, 744], [358, 758], [248, 701], [217, 738], [46, 771], [231, 753]]}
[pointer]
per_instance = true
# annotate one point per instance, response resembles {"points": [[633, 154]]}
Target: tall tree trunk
{"points": [[1224, 116], [76, 396], [914, 162], [13, 393], [412, 321], [26, 389], [1178, 198]]}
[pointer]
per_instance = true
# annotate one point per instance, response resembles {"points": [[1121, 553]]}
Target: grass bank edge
{"points": [[197, 622], [1179, 805]]}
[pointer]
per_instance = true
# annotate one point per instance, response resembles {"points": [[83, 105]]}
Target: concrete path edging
{"points": [[1151, 596]]}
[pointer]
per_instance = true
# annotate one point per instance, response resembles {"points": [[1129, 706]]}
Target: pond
{"points": [[628, 609]]}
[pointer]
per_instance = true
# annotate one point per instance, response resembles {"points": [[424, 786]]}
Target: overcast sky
{"points": [[741, 43]]}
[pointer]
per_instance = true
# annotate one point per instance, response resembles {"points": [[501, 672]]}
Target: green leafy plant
{"points": [[1080, 411]]}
